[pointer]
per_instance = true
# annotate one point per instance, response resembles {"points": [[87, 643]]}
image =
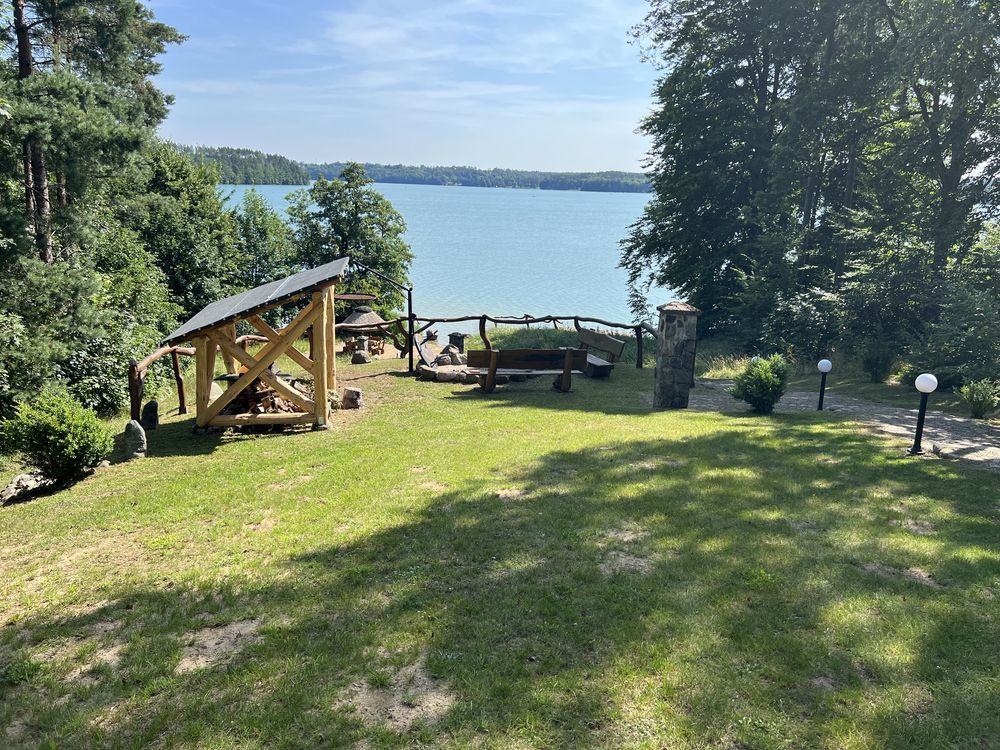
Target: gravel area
{"points": [[951, 436]]}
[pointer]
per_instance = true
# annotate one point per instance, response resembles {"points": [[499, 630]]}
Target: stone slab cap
{"points": [[679, 307]]}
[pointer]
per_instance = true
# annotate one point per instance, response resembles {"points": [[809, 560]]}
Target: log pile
{"points": [[260, 398]]}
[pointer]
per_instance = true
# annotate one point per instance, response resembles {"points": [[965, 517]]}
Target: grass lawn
{"points": [[522, 570]]}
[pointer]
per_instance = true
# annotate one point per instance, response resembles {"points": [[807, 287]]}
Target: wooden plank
{"points": [[202, 385], [567, 376], [595, 340], [331, 341], [239, 420], [597, 367], [506, 371], [272, 335], [321, 370], [267, 356], [292, 394]]}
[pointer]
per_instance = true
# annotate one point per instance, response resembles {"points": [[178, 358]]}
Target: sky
{"points": [[522, 84]]}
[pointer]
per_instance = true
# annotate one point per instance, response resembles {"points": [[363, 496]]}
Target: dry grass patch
{"points": [[411, 695], [924, 528], [917, 575], [211, 646]]}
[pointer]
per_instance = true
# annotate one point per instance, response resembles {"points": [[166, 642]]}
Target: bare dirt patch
{"points": [[411, 696], [822, 683], [434, 486], [291, 483], [510, 493], [265, 524], [108, 655], [924, 528], [617, 561], [211, 646], [418, 469], [630, 533], [917, 575]]}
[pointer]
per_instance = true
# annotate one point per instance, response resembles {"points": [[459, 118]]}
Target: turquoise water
{"points": [[510, 252]]}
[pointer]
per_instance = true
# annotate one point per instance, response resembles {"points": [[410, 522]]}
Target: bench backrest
{"points": [[601, 341], [529, 359]]}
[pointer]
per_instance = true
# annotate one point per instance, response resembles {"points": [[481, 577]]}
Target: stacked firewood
{"points": [[260, 398]]}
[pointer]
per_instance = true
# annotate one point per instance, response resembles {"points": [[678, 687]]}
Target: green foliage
{"points": [[264, 243], [346, 216], [17, 670], [175, 210], [982, 396], [803, 326], [57, 435], [964, 343], [762, 383], [244, 166]]}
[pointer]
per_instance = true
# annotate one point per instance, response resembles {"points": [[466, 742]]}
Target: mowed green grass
{"points": [[571, 570]]}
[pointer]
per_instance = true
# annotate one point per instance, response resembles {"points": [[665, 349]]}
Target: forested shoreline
{"points": [[243, 166]]}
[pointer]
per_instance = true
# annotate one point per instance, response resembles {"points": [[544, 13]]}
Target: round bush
{"points": [[57, 435], [762, 383], [982, 397]]}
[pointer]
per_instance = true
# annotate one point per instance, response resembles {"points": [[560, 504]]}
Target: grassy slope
{"points": [[361, 548]]}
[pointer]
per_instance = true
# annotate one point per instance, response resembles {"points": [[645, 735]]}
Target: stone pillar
{"points": [[677, 338]]}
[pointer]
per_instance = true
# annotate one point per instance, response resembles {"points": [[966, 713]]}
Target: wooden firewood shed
{"points": [[213, 330]]}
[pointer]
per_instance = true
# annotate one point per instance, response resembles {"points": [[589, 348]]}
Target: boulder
{"points": [[453, 353], [22, 487], [150, 417], [426, 372], [447, 376], [353, 398], [471, 378], [135, 440], [442, 359], [360, 358]]}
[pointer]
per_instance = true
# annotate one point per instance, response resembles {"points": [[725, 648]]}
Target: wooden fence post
{"points": [[179, 379]]}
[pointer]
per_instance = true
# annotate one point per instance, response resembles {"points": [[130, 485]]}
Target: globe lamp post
{"points": [[824, 366], [926, 384]]}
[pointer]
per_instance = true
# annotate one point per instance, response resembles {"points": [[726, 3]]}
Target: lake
{"points": [[509, 252]]}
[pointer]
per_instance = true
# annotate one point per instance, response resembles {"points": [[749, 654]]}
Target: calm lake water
{"points": [[509, 252]]}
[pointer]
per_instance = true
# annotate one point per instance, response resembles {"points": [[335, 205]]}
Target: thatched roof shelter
{"points": [[363, 320]]}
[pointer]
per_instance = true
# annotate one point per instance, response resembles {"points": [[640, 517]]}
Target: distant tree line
{"points": [[603, 182], [244, 166]]}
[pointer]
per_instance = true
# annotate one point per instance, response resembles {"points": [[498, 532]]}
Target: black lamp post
{"points": [[824, 366], [926, 384]]}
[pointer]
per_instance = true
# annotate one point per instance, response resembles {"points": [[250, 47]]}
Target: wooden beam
{"points": [[202, 387], [272, 335], [295, 396], [321, 371], [227, 333], [267, 356], [240, 420], [331, 342]]}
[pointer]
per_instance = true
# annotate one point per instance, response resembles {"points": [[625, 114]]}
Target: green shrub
{"points": [[762, 383], [982, 396], [57, 435]]}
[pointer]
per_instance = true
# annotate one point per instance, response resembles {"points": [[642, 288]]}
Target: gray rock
{"points": [[360, 358], [471, 378], [353, 398], [447, 376], [442, 359], [426, 372], [214, 392], [103, 464], [23, 486], [135, 440], [150, 418]]}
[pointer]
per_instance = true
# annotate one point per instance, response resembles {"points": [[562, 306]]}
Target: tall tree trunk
{"points": [[36, 180], [852, 175]]}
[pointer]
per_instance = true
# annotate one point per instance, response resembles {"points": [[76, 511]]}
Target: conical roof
{"points": [[362, 316]]}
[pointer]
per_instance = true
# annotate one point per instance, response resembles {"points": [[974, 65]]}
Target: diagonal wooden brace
{"points": [[265, 330], [248, 360]]}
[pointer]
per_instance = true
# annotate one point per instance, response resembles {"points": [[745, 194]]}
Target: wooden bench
{"points": [[488, 363], [613, 348]]}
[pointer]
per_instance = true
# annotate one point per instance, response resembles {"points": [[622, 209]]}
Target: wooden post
{"points": [[229, 331], [638, 347], [567, 376], [135, 390], [175, 360], [331, 338], [203, 381], [321, 370]]}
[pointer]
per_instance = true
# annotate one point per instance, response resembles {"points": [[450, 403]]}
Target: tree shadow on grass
{"points": [[707, 592]]}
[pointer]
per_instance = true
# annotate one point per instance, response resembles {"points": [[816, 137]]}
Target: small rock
{"points": [[353, 398], [21, 486], [442, 359], [135, 440], [447, 376], [427, 372], [150, 418], [360, 358], [471, 378], [103, 464], [214, 392]]}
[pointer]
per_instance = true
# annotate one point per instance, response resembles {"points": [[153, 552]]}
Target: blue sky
{"points": [[544, 84]]}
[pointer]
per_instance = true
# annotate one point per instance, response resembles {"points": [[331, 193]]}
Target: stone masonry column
{"points": [[677, 338]]}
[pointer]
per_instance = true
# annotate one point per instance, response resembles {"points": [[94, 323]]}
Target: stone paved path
{"points": [[957, 437]]}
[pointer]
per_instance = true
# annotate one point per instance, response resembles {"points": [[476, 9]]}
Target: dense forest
{"points": [[824, 176], [604, 182], [244, 166]]}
